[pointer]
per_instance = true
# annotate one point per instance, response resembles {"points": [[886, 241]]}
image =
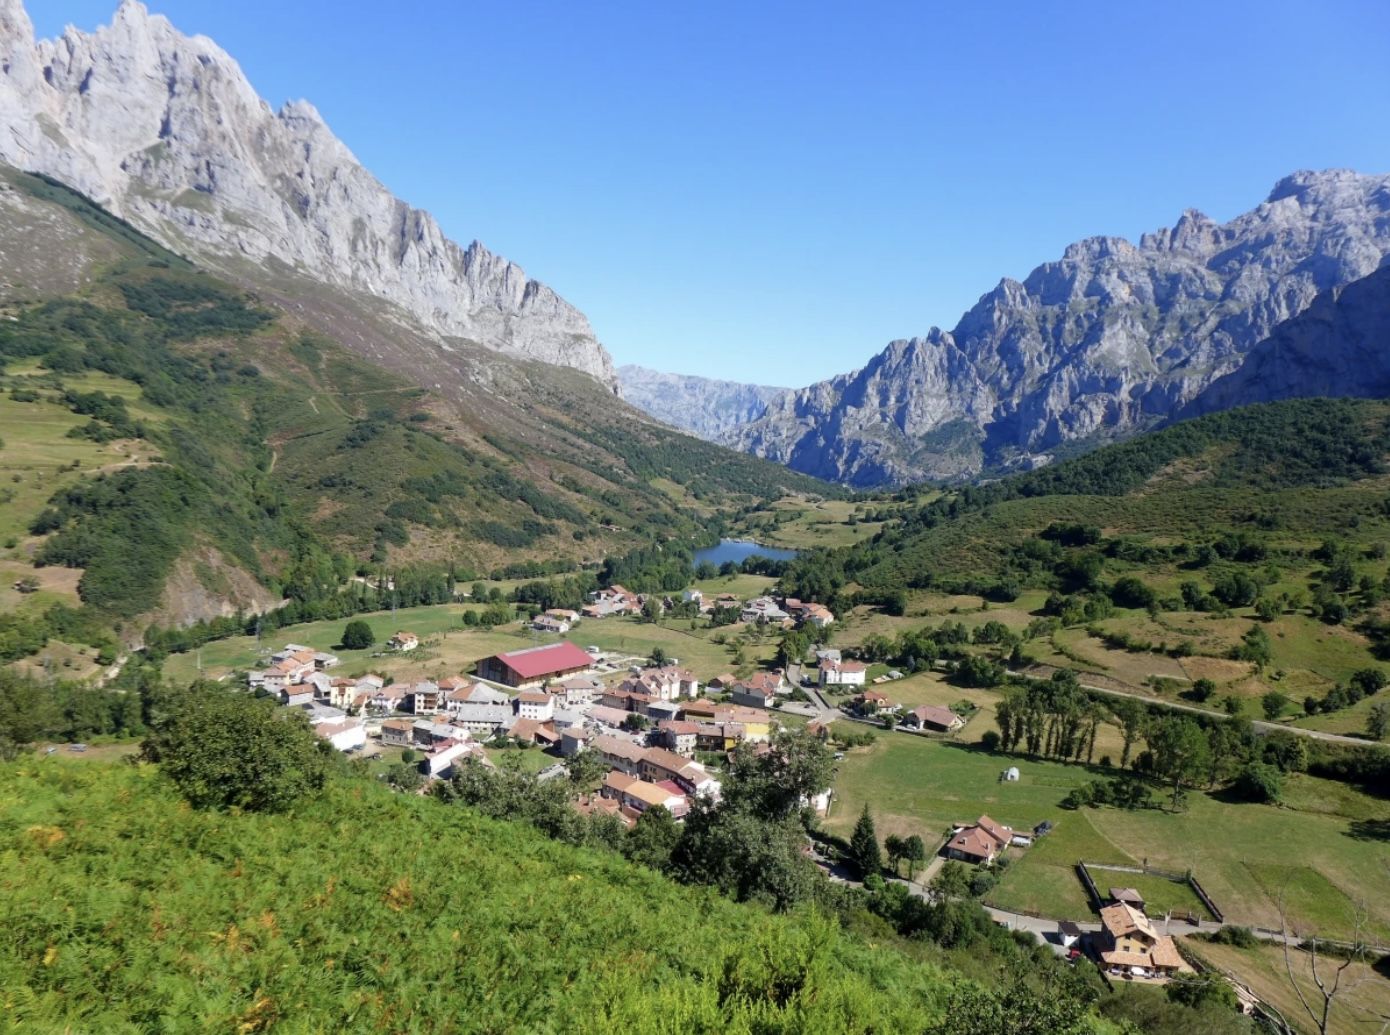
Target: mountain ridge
{"points": [[1109, 339], [166, 131], [711, 408]]}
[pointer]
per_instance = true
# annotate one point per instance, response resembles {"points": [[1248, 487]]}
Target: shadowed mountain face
{"points": [[166, 131], [711, 409], [1338, 346], [1110, 339]]}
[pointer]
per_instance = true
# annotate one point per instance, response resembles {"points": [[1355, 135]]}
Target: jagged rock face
{"points": [[1338, 346], [166, 131], [1110, 339], [713, 410]]}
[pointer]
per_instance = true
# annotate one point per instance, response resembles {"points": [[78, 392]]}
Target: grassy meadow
{"points": [[448, 647], [1245, 855]]}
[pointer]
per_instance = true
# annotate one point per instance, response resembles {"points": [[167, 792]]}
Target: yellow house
{"points": [[1129, 941]]}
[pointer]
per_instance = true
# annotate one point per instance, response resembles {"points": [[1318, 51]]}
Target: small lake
{"points": [[738, 551]]}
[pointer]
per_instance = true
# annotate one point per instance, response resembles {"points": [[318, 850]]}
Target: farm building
{"points": [[534, 666]]}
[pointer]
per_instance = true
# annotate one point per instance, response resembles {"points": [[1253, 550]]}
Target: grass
{"points": [[36, 457], [1361, 1010], [447, 647], [799, 524], [222, 657], [745, 587], [695, 648], [921, 786], [1161, 895], [124, 910]]}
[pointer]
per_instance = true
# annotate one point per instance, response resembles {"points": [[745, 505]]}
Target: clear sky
{"points": [[773, 191]]}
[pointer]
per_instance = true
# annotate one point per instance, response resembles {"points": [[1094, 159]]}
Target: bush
{"points": [[226, 750], [1260, 782]]}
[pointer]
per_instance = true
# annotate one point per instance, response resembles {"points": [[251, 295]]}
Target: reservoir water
{"points": [[738, 551]]}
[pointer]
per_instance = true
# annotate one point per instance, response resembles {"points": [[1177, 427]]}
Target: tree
{"points": [[864, 853], [358, 635], [226, 750], [651, 842], [1274, 704], [651, 610], [1329, 985], [893, 846], [1202, 690], [1378, 721], [1129, 591], [952, 880], [915, 852], [783, 779], [1180, 753], [586, 769], [1368, 680], [27, 712], [657, 657], [1196, 990]]}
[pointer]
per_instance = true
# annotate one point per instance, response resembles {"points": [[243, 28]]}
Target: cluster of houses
{"points": [[926, 717], [787, 612], [647, 728]]}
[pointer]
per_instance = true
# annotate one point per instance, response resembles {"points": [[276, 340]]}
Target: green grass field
{"points": [[447, 647], [921, 786]]}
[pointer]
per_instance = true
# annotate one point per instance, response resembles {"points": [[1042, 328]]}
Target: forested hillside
{"points": [[190, 449]]}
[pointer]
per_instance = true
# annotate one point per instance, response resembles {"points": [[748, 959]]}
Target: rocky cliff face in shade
{"points": [[1338, 346], [1111, 338], [711, 409], [166, 131]]}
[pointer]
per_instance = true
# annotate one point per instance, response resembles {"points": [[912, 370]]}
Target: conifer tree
{"points": [[864, 852]]}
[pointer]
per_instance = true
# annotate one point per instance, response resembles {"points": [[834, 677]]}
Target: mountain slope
{"points": [[1296, 471], [1111, 338], [712, 409], [193, 450], [166, 131], [1339, 345]]}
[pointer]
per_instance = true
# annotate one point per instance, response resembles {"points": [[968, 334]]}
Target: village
{"points": [[662, 736]]}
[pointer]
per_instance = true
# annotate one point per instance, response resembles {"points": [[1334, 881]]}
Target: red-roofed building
{"points": [[979, 843], [535, 665]]}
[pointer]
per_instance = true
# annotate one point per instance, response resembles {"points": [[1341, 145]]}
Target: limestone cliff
{"points": [[166, 131]]}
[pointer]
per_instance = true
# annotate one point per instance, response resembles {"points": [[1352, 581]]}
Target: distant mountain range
{"points": [[714, 410], [1288, 299]]}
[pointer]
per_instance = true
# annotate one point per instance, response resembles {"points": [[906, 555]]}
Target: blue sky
{"points": [[773, 191]]}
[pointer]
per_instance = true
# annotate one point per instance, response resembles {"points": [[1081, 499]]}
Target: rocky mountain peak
{"points": [[1108, 339], [166, 130]]}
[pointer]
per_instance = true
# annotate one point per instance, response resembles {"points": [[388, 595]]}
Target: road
{"points": [[1259, 725]]}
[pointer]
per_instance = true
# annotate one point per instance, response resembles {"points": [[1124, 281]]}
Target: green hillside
{"points": [[1238, 562], [124, 910], [180, 446]]}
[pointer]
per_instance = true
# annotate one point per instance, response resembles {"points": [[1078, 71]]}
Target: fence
{"points": [[1084, 868]]}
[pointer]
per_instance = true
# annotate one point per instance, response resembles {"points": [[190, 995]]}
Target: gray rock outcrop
{"points": [[1111, 338], [712, 409], [166, 131]]}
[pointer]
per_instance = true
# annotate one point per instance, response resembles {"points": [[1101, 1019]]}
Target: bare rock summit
{"points": [[166, 131]]}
